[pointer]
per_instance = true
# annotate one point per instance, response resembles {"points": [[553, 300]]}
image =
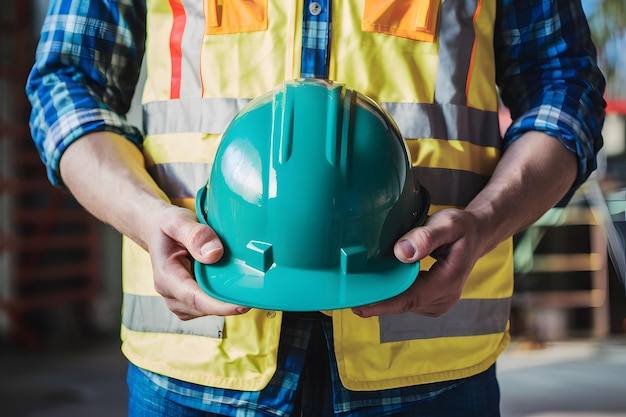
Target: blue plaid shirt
{"points": [[87, 66], [315, 39]]}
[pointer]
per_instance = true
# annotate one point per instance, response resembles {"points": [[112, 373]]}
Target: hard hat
{"points": [[310, 188]]}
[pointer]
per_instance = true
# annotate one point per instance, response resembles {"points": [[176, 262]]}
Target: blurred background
{"points": [[60, 289]]}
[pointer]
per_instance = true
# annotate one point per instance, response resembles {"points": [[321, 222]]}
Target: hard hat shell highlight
{"points": [[310, 188]]}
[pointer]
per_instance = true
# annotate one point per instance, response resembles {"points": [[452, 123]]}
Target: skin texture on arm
{"points": [[105, 173], [532, 176]]}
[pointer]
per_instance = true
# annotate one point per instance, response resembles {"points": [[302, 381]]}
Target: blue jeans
{"points": [[475, 396]]}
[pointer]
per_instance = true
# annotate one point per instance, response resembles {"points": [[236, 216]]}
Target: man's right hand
{"points": [[179, 235], [106, 173]]}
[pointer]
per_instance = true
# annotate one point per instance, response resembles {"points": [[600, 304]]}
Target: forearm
{"points": [[533, 175], [105, 172]]}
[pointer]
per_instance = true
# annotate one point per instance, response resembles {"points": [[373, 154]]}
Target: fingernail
{"points": [[208, 248], [358, 312], [242, 310], [407, 248]]}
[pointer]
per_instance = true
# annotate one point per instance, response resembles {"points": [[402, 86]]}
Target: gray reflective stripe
{"points": [[191, 44], [415, 120], [195, 115], [144, 313], [446, 121], [468, 317], [456, 40], [180, 179], [448, 187]]}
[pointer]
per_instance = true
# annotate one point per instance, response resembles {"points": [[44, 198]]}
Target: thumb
{"points": [[417, 244], [211, 249], [200, 240]]}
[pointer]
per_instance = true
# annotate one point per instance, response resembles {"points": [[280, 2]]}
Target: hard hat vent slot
{"points": [[353, 259], [259, 255]]}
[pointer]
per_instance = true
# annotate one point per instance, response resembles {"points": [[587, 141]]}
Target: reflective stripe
{"points": [[455, 51], [190, 115], [191, 46], [446, 121], [145, 313], [415, 120], [180, 179], [150, 314], [460, 186], [468, 317]]}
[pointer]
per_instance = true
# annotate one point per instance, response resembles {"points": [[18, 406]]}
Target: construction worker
{"points": [[436, 68]]}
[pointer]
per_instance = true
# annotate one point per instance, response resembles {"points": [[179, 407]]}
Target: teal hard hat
{"points": [[309, 190]]}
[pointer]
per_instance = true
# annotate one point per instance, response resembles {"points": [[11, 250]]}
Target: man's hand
{"points": [[449, 236], [178, 236], [127, 198], [533, 175]]}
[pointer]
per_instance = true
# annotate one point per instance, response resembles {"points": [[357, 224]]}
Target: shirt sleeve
{"points": [[549, 78], [86, 68]]}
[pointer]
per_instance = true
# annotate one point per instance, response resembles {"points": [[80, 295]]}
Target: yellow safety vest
{"points": [[430, 64]]}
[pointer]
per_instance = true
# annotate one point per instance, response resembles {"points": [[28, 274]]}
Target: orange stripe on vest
{"points": [[176, 38]]}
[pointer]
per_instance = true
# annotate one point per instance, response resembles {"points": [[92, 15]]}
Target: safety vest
{"points": [[431, 65]]}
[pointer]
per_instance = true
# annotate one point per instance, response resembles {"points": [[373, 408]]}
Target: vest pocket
{"points": [[415, 19], [234, 16]]}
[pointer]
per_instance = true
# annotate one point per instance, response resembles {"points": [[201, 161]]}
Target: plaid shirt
{"points": [[315, 39], [88, 62]]}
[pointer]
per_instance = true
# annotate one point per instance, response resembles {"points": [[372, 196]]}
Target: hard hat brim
{"points": [[290, 289]]}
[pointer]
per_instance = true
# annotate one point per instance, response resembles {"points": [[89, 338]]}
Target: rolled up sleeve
{"points": [[86, 68], [549, 78]]}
